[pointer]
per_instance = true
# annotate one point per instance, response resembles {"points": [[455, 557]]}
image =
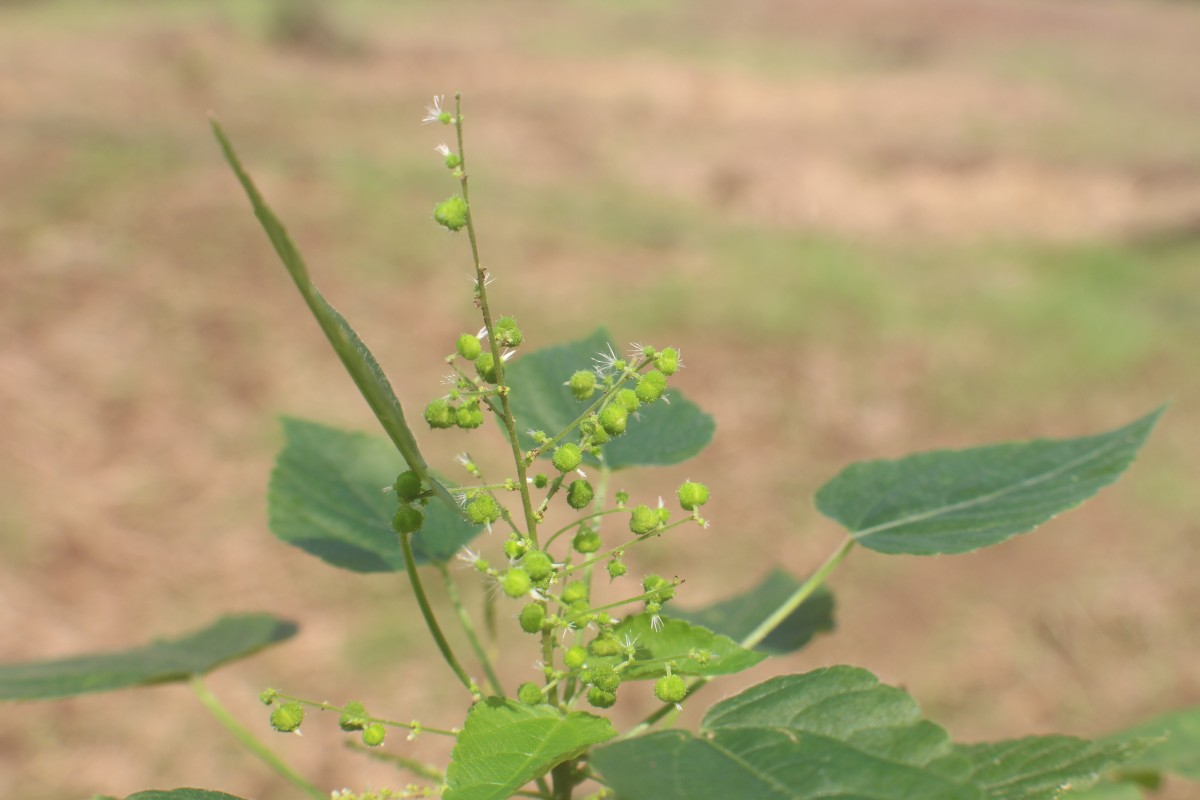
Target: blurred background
{"points": [[872, 228]]}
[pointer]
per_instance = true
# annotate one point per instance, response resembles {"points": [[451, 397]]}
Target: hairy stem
{"points": [[251, 743]]}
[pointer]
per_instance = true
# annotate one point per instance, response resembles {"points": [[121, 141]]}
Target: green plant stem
{"points": [[802, 593], [564, 781], [510, 425], [251, 743], [427, 612], [469, 630]]}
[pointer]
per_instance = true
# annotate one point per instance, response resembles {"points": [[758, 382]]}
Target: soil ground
{"points": [[872, 230]]}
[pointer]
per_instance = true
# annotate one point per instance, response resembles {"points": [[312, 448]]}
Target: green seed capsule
{"points": [[575, 657], [530, 694], [469, 416], [374, 734], [604, 676], [651, 386], [583, 384], [407, 486], [692, 495], [600, 698], [604, 645], [451, 213], [628, 399], [354, 718], [440, 414], [643, 520], [586, 541], [574, 591], [483, 510], [507, 332], [514, 549], [616, 569], [516, 582], [267, 697], [567, 457], [667, 361], [662, 588], [407, 520], [670, 689], [485, 365], [287, 717], [539, 565], [541, 481], [531, 618], [468, 347], [580, 494], [614, 419]]}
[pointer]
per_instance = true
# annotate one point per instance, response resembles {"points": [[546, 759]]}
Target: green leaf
{"points": [[1034, 767], [660, 434], [182, 794], [676, 639], [354, 354], [327, 498], [834, 733], [505, 745], [739, 616], [1107, 790], [956, 501], [1172, 745], [228, 639]]}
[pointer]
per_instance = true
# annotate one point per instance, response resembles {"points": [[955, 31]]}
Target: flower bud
{"points": [[468, 347], [451, 213], [583, 384], [567, 457]]}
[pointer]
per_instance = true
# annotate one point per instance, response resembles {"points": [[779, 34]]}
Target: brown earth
{"points": [[147, 339]]}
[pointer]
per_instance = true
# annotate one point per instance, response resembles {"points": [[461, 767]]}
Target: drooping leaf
{"points": [[355, 356], [955, 501], [505, 745], [327, 497], [228, 639], [660, 434], [738, 616], [675, 641], [833, 733], [1172, 745], [182, 794]]}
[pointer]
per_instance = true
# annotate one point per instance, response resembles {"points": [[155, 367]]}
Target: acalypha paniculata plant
{"points": [[564, 569]]}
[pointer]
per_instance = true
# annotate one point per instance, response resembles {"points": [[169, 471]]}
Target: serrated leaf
{"points": [[228, 639], [660, 434], [357, 358], [739, 616], [956, 501], [505, 745], [1172, 745], [674, 641], [182, 794], [831, 733], [327, 498]]}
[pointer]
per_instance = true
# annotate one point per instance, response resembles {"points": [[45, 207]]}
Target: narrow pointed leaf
{"points": [[327, 498], [836, 733], [182, 794], [739, 616], [505, 745], [228, 639], [660, 434], [1172, 745], [955, 501], [675, 641], [355, 356]]}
